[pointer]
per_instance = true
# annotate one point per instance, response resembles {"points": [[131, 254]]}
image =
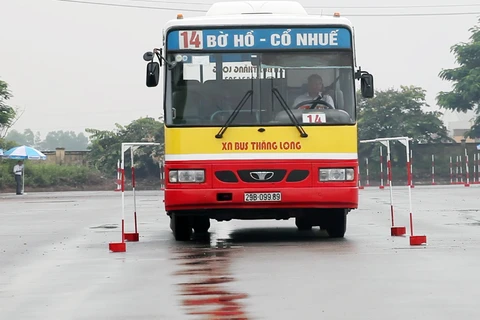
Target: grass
{"points": [[40, 175]]}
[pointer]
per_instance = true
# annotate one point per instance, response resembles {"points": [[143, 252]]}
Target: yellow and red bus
{"points": [[260, 116]]}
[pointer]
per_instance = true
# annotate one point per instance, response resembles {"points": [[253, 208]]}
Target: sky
{"points": [[73, 66]]}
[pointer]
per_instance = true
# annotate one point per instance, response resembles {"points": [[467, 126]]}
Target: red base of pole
{"points": [[117, 247], [381, 187], [398, 231], [361, 187], [467, 184], [418, 240], [132, 237]]}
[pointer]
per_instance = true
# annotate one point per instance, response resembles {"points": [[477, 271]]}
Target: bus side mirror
{"points": [[153, 74], [366, 84]]}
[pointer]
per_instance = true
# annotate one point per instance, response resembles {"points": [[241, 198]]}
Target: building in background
{"points": [[458, 123]]}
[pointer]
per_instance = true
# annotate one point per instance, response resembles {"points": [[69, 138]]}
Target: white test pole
{"points": [[467, 170], [381, 168], [433, 169], [368, 177], [411, 168], [389, 177], [122, 166], [133, 189], [23, 178], [474, 168], [407, 145]]}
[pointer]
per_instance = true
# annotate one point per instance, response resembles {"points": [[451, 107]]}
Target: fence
{"points": [[60, 156], [448, 160]]}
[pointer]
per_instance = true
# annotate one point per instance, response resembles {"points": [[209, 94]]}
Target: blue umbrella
{"points": [[24, 153]]}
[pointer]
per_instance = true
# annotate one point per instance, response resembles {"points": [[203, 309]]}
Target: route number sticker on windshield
{"points": [[314, 118], [190, 39]]}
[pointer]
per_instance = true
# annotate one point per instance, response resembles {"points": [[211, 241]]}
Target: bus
{"points": [[259, 102]]}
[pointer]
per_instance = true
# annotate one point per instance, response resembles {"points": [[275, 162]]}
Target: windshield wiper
{"points": [[289, 112], [234, 114]]}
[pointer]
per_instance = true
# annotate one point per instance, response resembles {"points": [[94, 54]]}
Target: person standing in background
{"points": [[18, 171]]}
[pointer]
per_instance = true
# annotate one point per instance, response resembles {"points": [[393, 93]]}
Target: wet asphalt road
{"points": [[55, 262]]}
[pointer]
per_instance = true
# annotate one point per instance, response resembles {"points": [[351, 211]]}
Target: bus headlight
{"points": [[186, 176], [334, 174]]}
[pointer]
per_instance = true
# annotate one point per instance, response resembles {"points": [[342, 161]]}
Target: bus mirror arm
{"points": [[150, 55], [366, 83], [153, 68]]}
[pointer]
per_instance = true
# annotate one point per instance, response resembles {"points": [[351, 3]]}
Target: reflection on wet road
{"points": [[204, 293]]}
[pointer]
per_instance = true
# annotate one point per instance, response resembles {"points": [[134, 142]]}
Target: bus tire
{"points": [[303, 224], [337, 223], [181, 227], [201, 224]]}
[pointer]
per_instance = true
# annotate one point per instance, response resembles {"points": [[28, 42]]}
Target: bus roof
{"points": [[257, 13]]}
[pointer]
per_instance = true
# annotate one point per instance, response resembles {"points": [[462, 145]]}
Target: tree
{"points": [[65, 139], [7, 113], [394, 113], [54, 139], [26, 138], [398, 113], [465, 95], [105, 147]]}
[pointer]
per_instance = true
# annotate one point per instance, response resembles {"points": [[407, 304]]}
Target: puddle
{"points": [[105, 226], [51, 201]]}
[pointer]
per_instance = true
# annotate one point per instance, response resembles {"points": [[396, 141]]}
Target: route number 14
{"points": [[191, 39], [314, 118]]}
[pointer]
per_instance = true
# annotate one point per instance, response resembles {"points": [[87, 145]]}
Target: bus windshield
{"points": [[203, 89]]}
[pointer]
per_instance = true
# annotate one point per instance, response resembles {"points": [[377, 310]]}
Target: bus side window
{"points": [[337, 96], [188, 105], [178, 102]]}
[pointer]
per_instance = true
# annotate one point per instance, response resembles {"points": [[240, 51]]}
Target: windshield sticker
{"points": [[314, 118]]}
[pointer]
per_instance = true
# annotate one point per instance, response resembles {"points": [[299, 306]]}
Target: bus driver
{"points": [[315, 90]]}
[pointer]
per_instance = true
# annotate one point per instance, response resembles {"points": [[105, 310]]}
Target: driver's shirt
{"points": [[306, 97]]}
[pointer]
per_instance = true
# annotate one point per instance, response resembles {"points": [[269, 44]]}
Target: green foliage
{"points": [[105, 148], [54, 139], [65, 139], [39, 174], [397, 113], [6, 144], [27, 138], [7, 113], [465, 95], [394, 113]]}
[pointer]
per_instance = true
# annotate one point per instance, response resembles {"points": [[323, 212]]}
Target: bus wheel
{"points": [[337, 223], [201, 224], [303, 224], [181, 227]]}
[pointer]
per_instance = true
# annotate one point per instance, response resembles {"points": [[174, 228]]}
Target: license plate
{"points": [[263, 196]]}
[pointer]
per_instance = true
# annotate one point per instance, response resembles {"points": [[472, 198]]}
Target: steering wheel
{"points": [[219, 116], [314, 104]]}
